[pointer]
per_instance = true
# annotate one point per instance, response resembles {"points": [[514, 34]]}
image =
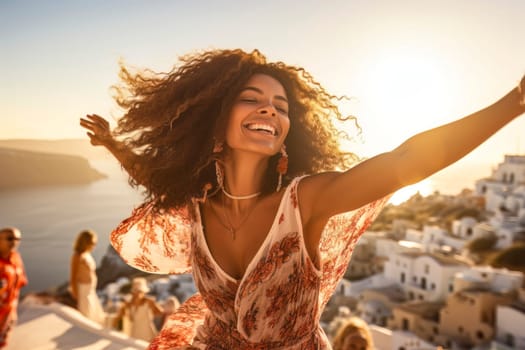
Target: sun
{"points": [[406, 90]]}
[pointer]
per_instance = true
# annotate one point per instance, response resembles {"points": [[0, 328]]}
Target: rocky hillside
{"points": [[22, 168]]}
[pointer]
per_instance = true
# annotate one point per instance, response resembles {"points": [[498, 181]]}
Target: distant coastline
{"points": [[23, 169]]}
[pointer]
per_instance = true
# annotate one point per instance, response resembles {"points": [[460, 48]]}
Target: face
{"points": [[259, 119], [93, 243], [9, 240]]}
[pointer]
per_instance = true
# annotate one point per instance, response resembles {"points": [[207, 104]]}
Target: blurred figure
{"points": [[12, 279], [83, 279], [170, 305], [354, 334], [139, 312]]}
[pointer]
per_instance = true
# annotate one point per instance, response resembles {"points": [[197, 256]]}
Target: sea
{"points": [[51, 217]]}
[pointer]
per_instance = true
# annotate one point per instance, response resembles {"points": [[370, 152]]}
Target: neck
{"points": [[243, 177]]}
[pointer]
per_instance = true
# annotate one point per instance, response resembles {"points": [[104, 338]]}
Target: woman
{"points": [[83, 279], [140, 312], [238, 157]]}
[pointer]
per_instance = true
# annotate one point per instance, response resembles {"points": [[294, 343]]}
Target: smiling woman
{"points": [[264, 258]]}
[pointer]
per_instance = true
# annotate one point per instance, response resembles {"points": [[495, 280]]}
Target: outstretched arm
{"points": [[415, 159], [99, 133]]}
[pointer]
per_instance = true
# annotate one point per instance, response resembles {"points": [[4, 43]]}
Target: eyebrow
{"points": [[256, 89]]}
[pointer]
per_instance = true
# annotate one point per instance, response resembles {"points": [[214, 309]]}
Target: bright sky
{"points": [[409, 64]]}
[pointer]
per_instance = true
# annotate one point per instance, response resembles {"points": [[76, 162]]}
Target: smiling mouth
{"points": [[262, 128]]}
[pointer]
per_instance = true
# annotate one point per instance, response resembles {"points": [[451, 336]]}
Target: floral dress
{"points": [[279, 300]]}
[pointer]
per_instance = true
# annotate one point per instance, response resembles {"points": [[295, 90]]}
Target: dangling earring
{"points": [[217, 148], [282, 167], [218, 174], [206, 188]]}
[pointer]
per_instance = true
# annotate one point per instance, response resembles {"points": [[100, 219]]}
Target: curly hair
{"points": [[173, 119]]}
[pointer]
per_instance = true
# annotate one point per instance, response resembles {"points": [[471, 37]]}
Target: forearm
{"points": [[434, 149], [127, 158]]}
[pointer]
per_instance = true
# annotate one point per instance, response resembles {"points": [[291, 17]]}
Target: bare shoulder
{"points": [[309, 188]]}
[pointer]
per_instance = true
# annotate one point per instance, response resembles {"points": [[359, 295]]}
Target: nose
{"points": [[268, 109]]}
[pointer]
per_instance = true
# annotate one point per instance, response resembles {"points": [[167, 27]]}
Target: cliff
{"points": [[22, 168]]}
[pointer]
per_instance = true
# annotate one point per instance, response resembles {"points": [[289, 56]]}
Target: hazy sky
{"points": [[410, 65]]}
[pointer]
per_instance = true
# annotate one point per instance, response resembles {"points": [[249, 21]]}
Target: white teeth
{"points": [[261, 127]]}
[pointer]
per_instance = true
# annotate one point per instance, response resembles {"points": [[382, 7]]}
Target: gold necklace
{"points": [[232, 230]]}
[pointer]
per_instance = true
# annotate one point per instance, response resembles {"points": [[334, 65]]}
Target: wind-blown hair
{"points": [[173, 119]]}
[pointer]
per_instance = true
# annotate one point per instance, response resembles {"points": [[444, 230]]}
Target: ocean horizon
{"points": [[51, 217]]}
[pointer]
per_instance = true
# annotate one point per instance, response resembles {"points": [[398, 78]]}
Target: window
{"points": [[402, 277], [509, 340], [427, 268], [405, 324], [480, 335]]}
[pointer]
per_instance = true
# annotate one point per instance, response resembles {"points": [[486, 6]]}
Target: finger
{"points": [[87, 124], [98, 119]]}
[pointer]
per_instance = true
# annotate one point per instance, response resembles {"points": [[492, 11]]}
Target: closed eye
{"points": [[281, 109]]}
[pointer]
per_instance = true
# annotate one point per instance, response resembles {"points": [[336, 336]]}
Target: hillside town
{"points": [[434, 272]]}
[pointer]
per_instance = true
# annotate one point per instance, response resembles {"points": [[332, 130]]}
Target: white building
{"points": [[436, 238], [488, 278], [424, 276], [507, 177], [510, 327]]}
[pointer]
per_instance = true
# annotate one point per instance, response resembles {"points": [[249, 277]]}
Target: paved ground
{"points": [[55, 326]]}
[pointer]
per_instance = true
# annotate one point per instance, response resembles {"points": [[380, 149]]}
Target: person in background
{"points": [[170, 305], [139, 312], [353, 334], [12, 279], [83, 279]]}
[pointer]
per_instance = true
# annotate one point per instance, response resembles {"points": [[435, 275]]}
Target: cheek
{"points": [[285, 122]]}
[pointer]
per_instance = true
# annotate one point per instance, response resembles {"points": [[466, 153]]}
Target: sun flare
{"points": [[424, 188]]}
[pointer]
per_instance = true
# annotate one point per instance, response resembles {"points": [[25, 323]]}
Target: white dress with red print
{"points": [[278, 302]]}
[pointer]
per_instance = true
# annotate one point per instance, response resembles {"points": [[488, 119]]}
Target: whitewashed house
{"points": [[424, 276], [488, 278], [435, 239], [510, 325]]}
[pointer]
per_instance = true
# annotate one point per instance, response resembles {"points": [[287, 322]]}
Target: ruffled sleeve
{"points": [[155, 242], [338, 240]]}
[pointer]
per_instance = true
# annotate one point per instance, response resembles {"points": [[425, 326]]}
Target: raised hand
{"points": [[99, 131]]}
